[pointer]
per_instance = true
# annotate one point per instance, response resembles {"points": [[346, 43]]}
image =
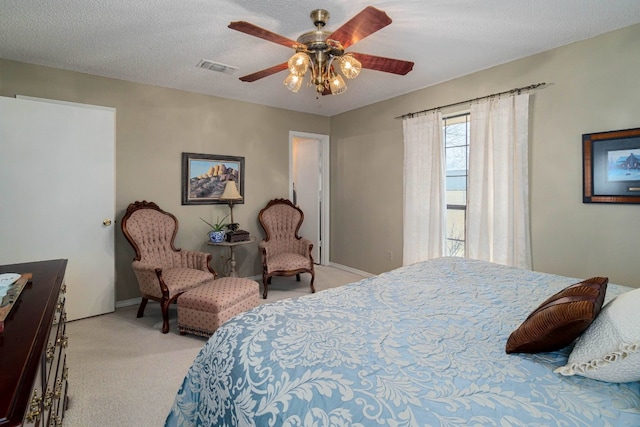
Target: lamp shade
{"points": [[231, 192]]}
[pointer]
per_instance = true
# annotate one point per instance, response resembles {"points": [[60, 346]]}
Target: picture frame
{"points": [[611, 167], [204, 177]]}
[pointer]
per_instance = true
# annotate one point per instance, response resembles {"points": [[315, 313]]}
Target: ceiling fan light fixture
{"points": [[349, 66], [293, 82], [299, 64], [315, 51], [337, 84]]}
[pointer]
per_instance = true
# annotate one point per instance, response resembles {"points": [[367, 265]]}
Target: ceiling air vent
{"points": [[216, 66]]}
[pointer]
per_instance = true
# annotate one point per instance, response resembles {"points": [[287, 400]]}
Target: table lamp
{"points": [[231, 194]]}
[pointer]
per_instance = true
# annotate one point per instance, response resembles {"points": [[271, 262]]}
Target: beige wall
{"points": [[592, 86], [153, 127]]}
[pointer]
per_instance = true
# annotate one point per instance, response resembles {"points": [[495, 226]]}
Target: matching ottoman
{"points": [[203, 309]]}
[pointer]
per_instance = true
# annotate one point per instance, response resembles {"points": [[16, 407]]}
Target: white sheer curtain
{"points": [[424, 189], [498, 192]]}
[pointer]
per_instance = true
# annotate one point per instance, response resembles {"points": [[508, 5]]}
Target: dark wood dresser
{"points": [[33, 366]]}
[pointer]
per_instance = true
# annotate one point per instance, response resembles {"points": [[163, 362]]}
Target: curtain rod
{"points": [[517, 90]]}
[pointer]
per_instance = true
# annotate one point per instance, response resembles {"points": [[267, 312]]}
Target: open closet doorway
{"points": [[309, 188]]}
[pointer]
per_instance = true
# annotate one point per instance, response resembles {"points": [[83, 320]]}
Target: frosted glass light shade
{"points": [[337, 85], [350, 66], [299, 64], [293, 82]]}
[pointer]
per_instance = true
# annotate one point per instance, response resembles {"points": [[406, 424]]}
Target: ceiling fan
{"points": [[320, 51]]}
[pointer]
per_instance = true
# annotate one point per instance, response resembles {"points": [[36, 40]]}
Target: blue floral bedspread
{"points": [[422, 345]]}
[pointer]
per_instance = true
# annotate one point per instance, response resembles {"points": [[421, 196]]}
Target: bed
{"points": [[423, 345]]}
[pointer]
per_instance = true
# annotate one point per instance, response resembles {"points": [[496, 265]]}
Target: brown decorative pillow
{"points": [[559, 320]]}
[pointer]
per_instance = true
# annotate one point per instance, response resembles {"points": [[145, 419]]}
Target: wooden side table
{"points": [[232, 250]]}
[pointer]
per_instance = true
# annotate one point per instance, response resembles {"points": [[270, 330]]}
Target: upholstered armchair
{"points": [[284, 253], [163, 272]]}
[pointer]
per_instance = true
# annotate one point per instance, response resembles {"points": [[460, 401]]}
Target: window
{"points": [[456, 143]]}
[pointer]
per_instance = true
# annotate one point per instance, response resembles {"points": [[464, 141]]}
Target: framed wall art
{"points": [[611, 166], [204, 177]]}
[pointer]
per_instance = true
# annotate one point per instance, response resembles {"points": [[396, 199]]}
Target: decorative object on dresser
{"points": [[163, 271], [33, 364], [11, 286], [284, 253]]}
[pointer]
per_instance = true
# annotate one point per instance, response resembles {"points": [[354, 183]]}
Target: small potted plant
{"points": [[216, 235]]}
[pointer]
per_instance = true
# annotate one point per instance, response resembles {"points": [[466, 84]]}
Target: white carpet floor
{"points": [[124, 372]]}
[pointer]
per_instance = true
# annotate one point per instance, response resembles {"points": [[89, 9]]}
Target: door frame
{"points": [[325, 211]]}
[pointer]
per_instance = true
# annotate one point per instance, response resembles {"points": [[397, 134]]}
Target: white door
{"points": [[310, 182], [307, 186], [57, 170]]}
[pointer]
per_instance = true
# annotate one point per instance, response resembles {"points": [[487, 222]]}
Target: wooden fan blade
{"points": [[365, 23], [379, 63], [264, 73], [254, 30]]}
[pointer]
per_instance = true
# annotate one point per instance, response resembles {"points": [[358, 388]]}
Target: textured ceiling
{"points": [[159, 42]]}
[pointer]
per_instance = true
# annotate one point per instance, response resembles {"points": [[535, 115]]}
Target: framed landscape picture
{"points": [[204, 177], [611, 166]]}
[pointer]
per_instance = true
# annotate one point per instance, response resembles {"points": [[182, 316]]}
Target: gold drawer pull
{"points": [[58, 388], [63, 288], [60, 307], [34, 408], [51, 352], [33, 415], [55, 421], [48, 398], [63, 341], [65, 371]]}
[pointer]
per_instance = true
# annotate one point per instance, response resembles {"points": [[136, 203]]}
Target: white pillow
{"points": [[609, 350]]}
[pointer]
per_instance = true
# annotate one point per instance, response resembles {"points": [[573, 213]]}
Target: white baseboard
{"points": [[128, 302], [350, 270]]}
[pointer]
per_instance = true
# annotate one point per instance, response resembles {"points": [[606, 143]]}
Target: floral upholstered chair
{"points": [[284, 253], [163, 272]]}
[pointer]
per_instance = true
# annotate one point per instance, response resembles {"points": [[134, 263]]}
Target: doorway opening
{"points": [[309, 188]]}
